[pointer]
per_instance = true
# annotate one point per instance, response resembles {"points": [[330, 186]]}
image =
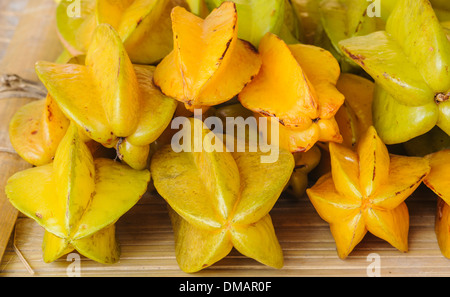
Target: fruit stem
{"points": [[441, 97]]}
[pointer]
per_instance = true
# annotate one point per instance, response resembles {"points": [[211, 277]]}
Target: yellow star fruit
{"points": [[438, 182], [220, 200], [296, 85], [77, 199], [209, 65], [109, 97], [355, 115], [144, 26], [304, 164], [36, 129], [365, 191]]}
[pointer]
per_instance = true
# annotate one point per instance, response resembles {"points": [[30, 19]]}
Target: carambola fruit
{"points": [[256, 18], [36, 129], [409, 62], [220, 200], [209, 65], [365, 191], [355, 115], [110, 98], [343, 19], [77, 199], [304, 164], [438, 182], [143, 25], [297, 86]]}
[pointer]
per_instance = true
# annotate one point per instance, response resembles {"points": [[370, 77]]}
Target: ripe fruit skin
{"points": [[304, 164], [143, 25], [256, 18], [227, 63], [296, 86], [210, 216], [36, 130], [355, 115], [409, 62], [438, 183], [77, 199], [109, 97]]}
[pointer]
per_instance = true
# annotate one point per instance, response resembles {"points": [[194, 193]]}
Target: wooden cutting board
{"points": [[145, 233]]}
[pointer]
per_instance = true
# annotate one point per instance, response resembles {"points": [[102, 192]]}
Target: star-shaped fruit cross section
{"points": [[220, 200], [111, 99], [365, 191], [77, 199]]}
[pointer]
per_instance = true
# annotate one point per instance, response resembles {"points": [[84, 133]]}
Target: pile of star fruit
{"points": [[359, 94]]}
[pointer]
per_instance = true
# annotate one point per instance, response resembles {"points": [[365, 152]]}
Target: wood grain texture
{"points": [[147, 245]]}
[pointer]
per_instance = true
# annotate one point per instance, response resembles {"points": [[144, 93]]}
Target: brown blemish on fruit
{"points": [[249, 46], [50, 113], [33, 132], [39, 215], [227, 47], [357, 58]]}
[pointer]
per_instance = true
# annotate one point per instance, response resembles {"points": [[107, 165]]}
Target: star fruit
{"points": [[209, 65], [113, 100], [143, 25], [304, 164], [256, 18], [431, 142], [440, 7], [77, 199], [365, 191], [343, 19], [409, 62], [220, 200], [297, 86], [355, 115], [439, 184], [36, 129]]}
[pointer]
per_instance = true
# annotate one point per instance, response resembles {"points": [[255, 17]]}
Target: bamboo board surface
{"points": [[145, 233]]}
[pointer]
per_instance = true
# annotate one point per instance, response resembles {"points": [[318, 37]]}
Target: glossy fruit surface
{"points": [[365, 191], [293, 88], [75, 197], [109, 97], [144, 26], [209, 64], [409, 62], [212, 215], [36, 130]]}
